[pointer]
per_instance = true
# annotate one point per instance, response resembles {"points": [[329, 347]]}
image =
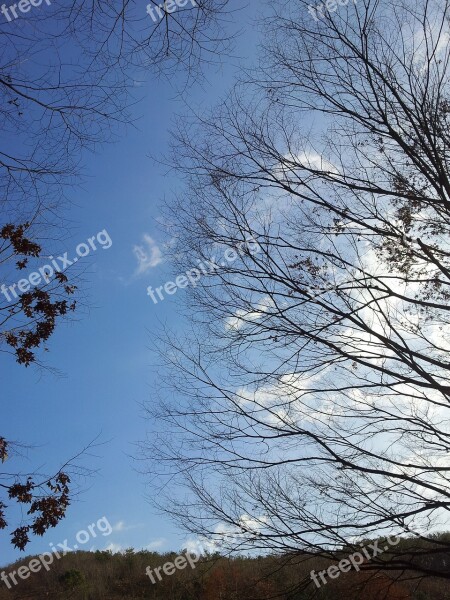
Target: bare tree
{"points": [[310, 406], [53, 107], [66, 80]]}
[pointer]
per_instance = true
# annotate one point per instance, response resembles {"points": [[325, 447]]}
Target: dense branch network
{"points": [[310, 406]]}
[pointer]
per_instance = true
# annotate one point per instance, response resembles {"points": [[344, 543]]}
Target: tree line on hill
{"points": [[102, 575]]}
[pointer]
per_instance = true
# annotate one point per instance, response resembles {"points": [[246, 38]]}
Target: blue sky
{"points": [[103, 355]]}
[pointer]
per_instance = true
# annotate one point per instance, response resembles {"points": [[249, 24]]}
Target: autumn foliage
{"points": [[29, 320], [102, 575], [45, 501]]}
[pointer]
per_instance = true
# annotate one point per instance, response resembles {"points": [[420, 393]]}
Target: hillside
{"points": [[106, 576]]}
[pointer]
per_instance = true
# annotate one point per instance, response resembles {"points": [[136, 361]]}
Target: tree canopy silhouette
{"points": [[310, 406]]}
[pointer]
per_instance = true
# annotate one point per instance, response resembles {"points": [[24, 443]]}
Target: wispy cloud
{"points": [[148, 255], [243, 317], [156, 544], [122, 526], [226, 535], [114, 548]]}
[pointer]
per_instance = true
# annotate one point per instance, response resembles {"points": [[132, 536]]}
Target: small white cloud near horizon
{"points": [[114, 548], [119, 526], [122, 526], [156, 544], [148, 255], [225, 536]]}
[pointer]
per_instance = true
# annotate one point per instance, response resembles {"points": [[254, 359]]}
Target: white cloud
{"points": [[226, 536], [148, 255], [122, 526], [242, 317], [156, 544], [430, 41], [312, 160], [114, 548]]}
